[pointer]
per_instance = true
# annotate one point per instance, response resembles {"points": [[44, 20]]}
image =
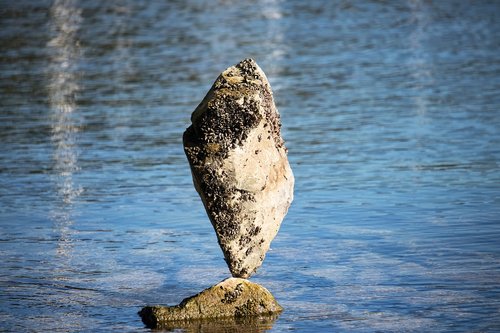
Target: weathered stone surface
{"points": [[231, 298], [239, 165]]}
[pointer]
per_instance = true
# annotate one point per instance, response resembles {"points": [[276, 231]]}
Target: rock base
{"points": [[231, 298]]}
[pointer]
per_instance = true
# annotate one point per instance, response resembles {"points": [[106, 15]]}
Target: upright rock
{"points": [[239, 164]]}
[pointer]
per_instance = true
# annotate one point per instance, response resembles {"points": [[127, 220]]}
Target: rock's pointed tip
{"points": [[248, 60], [239, 272], [248, 65]]}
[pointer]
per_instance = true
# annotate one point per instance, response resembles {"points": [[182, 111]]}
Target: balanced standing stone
{"points": [[239, 164], [240, 169]]}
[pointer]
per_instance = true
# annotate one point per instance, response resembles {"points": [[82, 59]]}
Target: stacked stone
{"points": [[240, 169], [239, 164]]}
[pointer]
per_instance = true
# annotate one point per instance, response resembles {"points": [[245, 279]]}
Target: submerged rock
{"points": [[239, 165], [231, 298]]}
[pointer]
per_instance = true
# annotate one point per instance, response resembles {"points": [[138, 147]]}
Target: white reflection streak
{"points": [[272, 12], [64, 50], [421, 70]]}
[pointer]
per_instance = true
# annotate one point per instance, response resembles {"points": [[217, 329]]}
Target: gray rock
{"points": [[239, 165], [231, 298]]}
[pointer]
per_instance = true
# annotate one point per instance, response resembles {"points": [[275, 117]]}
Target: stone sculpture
{"points": [[240, 169]]}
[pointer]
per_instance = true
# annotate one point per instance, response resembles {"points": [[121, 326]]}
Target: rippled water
{"points": [[391, 113]]}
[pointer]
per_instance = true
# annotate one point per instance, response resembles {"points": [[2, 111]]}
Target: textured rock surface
{"points": [[231, 298], [239, 164]]}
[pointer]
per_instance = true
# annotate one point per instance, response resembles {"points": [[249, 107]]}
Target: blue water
{"points": [[391, 114]]}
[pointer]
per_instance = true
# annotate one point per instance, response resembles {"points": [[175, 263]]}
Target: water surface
{"points": [[391, 114]]}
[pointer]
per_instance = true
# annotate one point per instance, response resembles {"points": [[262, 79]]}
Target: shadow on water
{"points": [[222, 325]]}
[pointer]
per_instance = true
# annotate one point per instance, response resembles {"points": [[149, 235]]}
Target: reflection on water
{"points": [[421, 69], [224, 325], [275, 41], [63, 88]]}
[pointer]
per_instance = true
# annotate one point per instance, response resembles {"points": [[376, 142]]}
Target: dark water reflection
{"points": [[229, 325], [391, 115]]}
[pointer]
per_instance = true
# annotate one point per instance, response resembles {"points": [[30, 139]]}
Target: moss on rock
{"points": [[231, 298]]}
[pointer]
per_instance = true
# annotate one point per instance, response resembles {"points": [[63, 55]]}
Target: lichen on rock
{"points": [[239, 164]]}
